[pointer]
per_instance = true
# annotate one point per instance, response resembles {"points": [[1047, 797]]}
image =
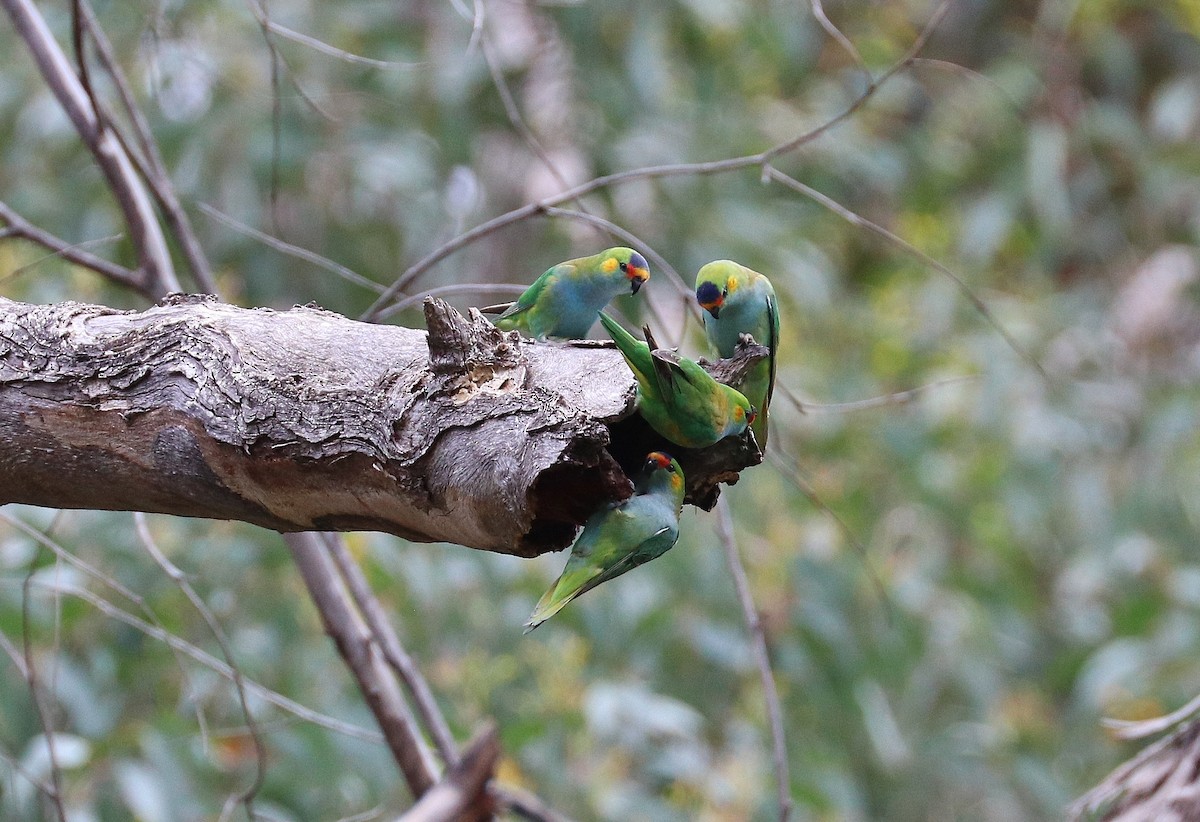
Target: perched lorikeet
{"points": [[563, 301], [621, 536], [737, 301], [676, 396]]}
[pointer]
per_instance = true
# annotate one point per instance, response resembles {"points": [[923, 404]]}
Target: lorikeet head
{"points": [[635, 269], [711, 297]]}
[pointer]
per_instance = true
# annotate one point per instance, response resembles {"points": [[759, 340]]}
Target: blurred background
{"points": [[1029, 559]]}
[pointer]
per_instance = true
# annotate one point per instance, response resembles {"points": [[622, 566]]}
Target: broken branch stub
{"points": [[305, 420]]}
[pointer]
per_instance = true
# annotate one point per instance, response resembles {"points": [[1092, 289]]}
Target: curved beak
{"points": [[636, 278], [715, 310]]}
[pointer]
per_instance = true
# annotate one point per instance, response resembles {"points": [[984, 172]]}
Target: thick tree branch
{"points": [[304, 420]]}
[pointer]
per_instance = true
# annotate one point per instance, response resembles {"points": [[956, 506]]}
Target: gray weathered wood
{"points": [[1159, 784], [305, 420]]}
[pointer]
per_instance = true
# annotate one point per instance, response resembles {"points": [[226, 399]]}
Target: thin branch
{"points": [[862, 222], [897, 398], [354, 642], [789, 467], [455, 288], [18, 226], [291, 250], [110, 155], [246, 796], [397, 658], [333, 51], [1141, 728], [833, 31], [20, 770], [759, 160], [524, 804], [149, 160], [157, 630], [35, 692], [903, 63], [758, 642], [217, 666]]}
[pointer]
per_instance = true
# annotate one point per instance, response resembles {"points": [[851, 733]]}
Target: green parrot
{"points": [[676, 396], [563, 301], [621, 536], [739, 301]]}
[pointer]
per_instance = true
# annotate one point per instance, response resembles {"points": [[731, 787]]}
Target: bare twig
{"points": [[897, 398], [393, 651], [246, 796], [788, 467], [154, 628], [331, 50], [149, 160], [758, 642], [855, 219], [514, 112], [302, 712], [35, 693], [18, 226], [833, 31], [46, 789], [354, 642], [759, 161], [291, 250], [1141, 728], [525, 805], [454, 288], [144, 231]]}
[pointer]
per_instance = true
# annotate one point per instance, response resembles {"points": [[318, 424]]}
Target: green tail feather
{"points": [[636, 352]]}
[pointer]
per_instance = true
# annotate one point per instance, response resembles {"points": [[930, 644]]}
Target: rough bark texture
{"points": [[1161, 784], [304, 420]]}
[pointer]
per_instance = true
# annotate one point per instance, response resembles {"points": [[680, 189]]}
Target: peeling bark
{"points": [[305, 420]]}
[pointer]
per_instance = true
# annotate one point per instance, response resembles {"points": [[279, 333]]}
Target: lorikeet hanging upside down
{"points": [[739, 301], [620, 537], [676, 396], [564, 301]]}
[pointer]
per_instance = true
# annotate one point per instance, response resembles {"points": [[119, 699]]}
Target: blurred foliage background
{"points": [[1035, 536]]}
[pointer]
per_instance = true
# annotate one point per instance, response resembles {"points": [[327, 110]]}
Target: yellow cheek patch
{"points": [[609, 265], [731, 285]]}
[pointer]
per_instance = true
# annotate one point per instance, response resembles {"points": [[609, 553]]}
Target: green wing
{"points": [[601, 554], [530, 296]]}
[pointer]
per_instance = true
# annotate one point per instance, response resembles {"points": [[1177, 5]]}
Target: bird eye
{"points": [[624, 266]]}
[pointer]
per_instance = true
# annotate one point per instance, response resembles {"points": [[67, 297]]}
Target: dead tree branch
{"points": [[305, 420]]}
